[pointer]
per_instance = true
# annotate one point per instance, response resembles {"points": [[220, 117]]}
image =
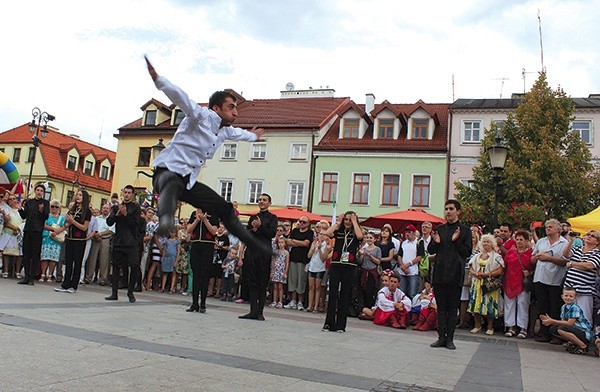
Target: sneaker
{"points": [[240, 301], [273, 304], [291, 305], [300, 306], [279, 305], [60, 289], [71, 290], [184, 293]]}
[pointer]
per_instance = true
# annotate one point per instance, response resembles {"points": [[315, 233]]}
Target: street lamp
{"points": [[156, 150], [38, 127], [497, 155]]}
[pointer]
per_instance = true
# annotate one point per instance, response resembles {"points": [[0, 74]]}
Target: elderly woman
{"points": [[51, 241], [487, 264], [516, 297], [582, 269], [9, 241]]}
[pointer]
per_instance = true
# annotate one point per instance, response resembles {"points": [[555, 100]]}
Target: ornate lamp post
{"points": [[38, 127], [497, 155]]}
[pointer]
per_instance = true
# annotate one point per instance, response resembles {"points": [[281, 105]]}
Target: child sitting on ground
{"points": [[367, 313], [228, 280], [572, 327], [392, 305], [426, 308]]}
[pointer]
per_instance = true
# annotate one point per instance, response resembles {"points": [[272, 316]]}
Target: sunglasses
{"points": [[301, 221], [54, 206]]}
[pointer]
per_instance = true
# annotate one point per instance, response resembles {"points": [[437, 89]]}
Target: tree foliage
{"points": [[548, 173]]}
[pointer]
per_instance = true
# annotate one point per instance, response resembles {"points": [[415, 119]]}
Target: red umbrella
{"points": [[401, 219], [293, 214]]}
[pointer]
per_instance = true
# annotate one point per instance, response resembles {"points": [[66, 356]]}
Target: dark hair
{"points": [[40, 186], [218, 98], [454, 202], [522, 233], [395, 275], [84, 207], [569, 288], [267, 196], [427, 279], [507, 225], [114, 196], [129, 186]]}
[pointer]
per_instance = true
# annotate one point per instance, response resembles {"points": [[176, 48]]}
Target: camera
{"points": [[574, 233]]}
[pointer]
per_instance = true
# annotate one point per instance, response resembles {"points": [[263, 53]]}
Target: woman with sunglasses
{"points": [[582, 269], [51, 241]]}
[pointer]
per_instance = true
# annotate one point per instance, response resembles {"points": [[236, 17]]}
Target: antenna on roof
{"points": [[541, 45], [523, 73], [501, 85]]}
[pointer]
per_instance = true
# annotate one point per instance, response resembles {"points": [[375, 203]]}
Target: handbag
{"points": [[527, 280], [60, 237], [491, 284], [468, 278]]}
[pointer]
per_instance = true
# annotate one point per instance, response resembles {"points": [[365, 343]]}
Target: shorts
{"points": [[574, 330], [297, 277], [316, 275]]}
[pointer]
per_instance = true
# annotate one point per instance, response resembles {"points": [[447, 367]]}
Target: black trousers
{"points": [[201, 257], [447, 297], [256, 269], [172, 187], [341, 279], [74, 251], [128, 260], [549, 302], [32, 248]]}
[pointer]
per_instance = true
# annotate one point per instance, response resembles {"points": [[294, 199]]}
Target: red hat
{"points": [[410, 228]]}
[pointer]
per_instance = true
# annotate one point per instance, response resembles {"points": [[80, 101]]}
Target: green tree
{"points": [[548, 173]]}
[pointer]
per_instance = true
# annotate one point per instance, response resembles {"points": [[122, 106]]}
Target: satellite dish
{"points": [[289, 86]]}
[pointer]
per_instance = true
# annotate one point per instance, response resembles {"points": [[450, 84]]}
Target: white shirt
{"points": [[387, 305], [546, 271], [102, 226], [409, 253], [197, 137]]}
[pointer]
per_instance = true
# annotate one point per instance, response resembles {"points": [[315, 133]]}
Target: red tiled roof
{"points": [[439, 112], [54, 149]]}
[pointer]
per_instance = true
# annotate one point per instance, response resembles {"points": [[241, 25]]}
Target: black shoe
{"points": [[439, 343], [24, 281], [112, 297], [131, 297], [450, 345], [325, 328], [202, 309], [248, 316], [193, 308], [260, 317], [137, 290]]}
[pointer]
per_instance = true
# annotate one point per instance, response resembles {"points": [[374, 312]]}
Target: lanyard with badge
{"points": [[345, 254]]}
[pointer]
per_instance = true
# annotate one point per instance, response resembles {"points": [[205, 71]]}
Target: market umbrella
{"points": [[584, 223], [293, 214], [400, 219]]}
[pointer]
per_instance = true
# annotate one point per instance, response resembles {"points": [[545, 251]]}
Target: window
{"points": [[69, 197], [72, 162], [472, 131], [144, 156], [420, 193], [150, 117], [225, 189], [420, 128], [103, 201], [584, 129], [386, 128], [351, 127], [296, 192], [299, 152], [360, 189], [104, 172], [498, 124], [16, 155], [254, 190], [467, 182], [88, 168], [391, 189], [31, 155], [258, 151], [329, 187], [48, 192], [229, 151], [179, 116]]}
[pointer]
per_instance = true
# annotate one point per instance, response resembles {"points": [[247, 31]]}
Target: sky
{"points": [[83, 61]]}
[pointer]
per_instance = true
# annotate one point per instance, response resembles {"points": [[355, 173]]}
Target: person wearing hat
{"points": [[410, 254]]}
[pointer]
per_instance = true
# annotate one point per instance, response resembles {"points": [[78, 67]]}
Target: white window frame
{"points": [[258, 151], [412, 186], [589, 142], [399, 186], [68, 160], [296, 153], [226, 152], [220, 184], [468, 182], [253, 199], [102, 168], [149, 121], [85, 163], [354, 174], [463, 131], [292, 195]]}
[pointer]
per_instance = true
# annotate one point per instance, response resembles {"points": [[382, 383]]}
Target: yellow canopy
{"points": [[583, 223]]}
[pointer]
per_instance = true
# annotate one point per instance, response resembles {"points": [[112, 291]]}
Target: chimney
{"points": [[370, 103]]}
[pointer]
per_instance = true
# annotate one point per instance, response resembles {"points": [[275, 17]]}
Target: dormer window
{"points": [[420, 128], [104, 172], [150, 117], [179, 116], [351, 126], [72, 162], [386, 128], [88, 168]]}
